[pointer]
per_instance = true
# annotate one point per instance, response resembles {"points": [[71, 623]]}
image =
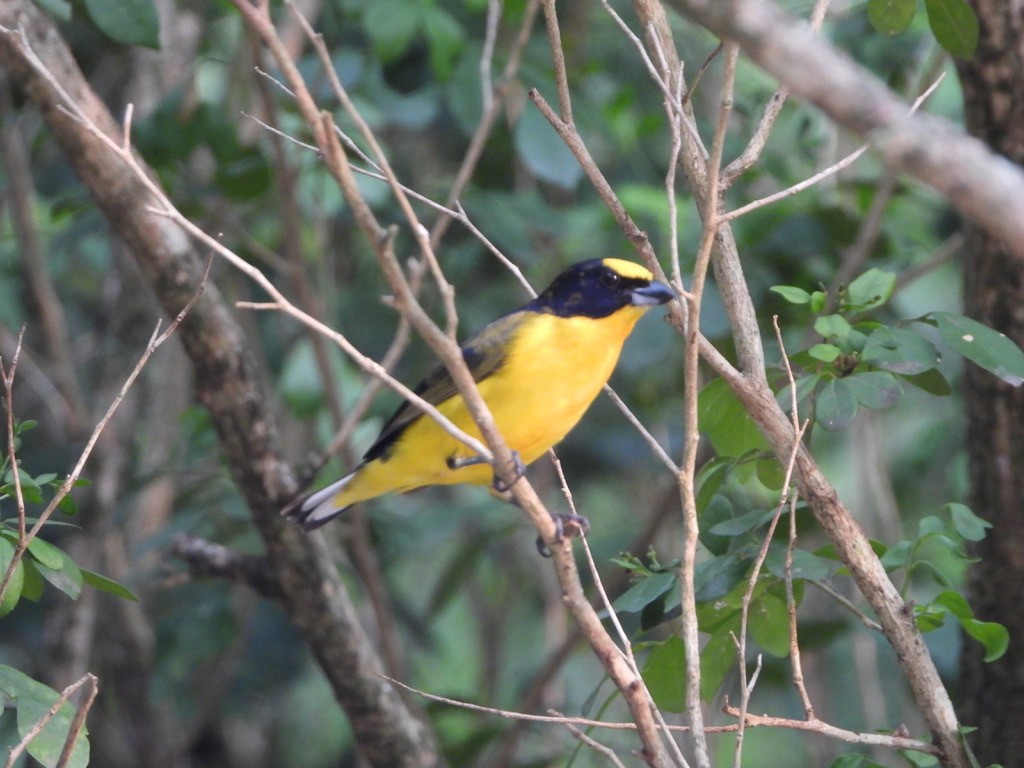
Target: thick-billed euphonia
{"points": [[538, 369]]}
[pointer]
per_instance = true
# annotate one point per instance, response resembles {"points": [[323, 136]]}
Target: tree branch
{"points": [[206, 558], [984, 186]]}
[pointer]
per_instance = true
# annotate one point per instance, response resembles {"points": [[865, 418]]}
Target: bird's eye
{"points": [[610, 279]]}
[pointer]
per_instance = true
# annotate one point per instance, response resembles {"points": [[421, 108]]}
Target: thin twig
{"points": [[8, 374], [890, 741], [798, 430], [558, 60], [844, 601], [594, 745], [824, 174], [773, 107], [78, 721], [753, 721], [494, 8], [691, 439], [36, 729]]}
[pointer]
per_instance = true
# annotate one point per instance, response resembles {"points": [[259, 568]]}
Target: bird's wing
{"points": [[484, 353]]}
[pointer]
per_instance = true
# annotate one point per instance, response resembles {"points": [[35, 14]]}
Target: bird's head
{"points": [[600, 287]]}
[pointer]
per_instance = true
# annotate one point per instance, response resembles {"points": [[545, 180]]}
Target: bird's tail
{"points": [[311, 510]]}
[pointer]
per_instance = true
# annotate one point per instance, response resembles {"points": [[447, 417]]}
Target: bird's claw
{"points": [[518, 469], [566, 526]]}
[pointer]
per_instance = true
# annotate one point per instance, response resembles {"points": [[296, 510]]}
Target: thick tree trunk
{"points": [[992, 695]]}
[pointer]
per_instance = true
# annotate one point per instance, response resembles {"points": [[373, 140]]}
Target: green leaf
{"points": [[966, 523], [68, 506], [47, 554], [132, 22], [726, 423], [897, 556], [391, 27], [745, 522], [955, 603], [717, 658], [932, 382], [768, 622], [834, 327], [644, 592], [33, 586], [930, 524], [837, 405], [872, 289], [995, 637], [715, 511], [33, 700], [806, 565], [544, 152], [107, 585], [805, 386], [24, 426], [446, 37], [792, 294], [983, 346], [824, 352], [929, 617], [665, 675], [68, 578], [59, 9], [890, 17], [899, 350], [875, 389], [710, 479], [771, 473], [17, 582], [955, 26], [921, 760], [717, 576]]}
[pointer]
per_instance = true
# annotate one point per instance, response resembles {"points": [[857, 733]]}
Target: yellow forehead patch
{"points": [[628, 268]]}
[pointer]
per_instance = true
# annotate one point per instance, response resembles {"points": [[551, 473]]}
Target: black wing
{"points": [[484, 353]]}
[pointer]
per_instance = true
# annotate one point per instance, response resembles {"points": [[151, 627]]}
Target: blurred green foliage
{"points": [[473, 603]]}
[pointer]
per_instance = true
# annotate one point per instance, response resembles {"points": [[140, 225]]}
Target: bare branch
{"points": [[208, 559], [594, 745], [841, 734], [78, 721], [794, 645], [36, 729]]}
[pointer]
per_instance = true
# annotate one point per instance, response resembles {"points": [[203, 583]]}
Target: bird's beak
{"points": [[655, 292]]}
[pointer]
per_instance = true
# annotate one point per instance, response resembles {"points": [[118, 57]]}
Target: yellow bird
{"points": [[538, 369]]}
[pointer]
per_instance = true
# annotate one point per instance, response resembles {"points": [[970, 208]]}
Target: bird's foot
{"points": [[566, 526], [518, 470]]}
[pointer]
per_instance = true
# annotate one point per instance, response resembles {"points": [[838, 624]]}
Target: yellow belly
{"points": [[554, 369]]}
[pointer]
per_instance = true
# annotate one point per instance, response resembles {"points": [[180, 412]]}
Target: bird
{"points": [[538, 368]]}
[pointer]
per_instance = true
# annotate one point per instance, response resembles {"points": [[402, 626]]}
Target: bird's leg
{"points": [[498, 486], [460, 462], [566, 525]]}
